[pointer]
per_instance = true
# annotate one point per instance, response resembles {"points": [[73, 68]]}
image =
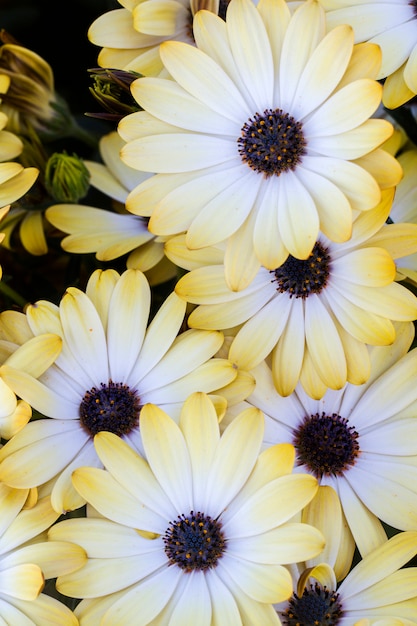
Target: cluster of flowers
{"points": [[217, 424]]}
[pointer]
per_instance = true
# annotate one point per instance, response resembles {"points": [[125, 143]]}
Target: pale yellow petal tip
{"points": [[24, 582], [396, 92]]}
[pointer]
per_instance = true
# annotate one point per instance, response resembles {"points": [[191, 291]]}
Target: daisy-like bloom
{"points": [[112, 362], [378, 591], [404, 209], [361, 440], [393, 26], [30, 100], [315, 316], [26, 561], [131, 36], [221, 517], [386, 622], [256, 145], [112, 233], [325, 513], [34, 357], [15, 180], [3, 213]]}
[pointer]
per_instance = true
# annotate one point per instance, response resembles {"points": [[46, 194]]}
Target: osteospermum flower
{"points": [[404, 209], [15, 180], [378, 591], [33, 357], [315, 316], [393, 27], [360, 440], [112, 362], [30, 100], [254, 144], [390, 621], [26, 561], [131, 36], [220, 514], [112, 233], [325, 513]]}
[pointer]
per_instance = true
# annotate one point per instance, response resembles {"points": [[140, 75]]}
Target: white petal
{"points": [[128, 317], [254, 62], [84, 334]]}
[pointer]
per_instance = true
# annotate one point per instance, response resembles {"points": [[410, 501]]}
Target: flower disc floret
{"points": [[317, 606], [286, 142], [326, 444], [194, 542], [272, 143], [299, 278], [114, 407]]}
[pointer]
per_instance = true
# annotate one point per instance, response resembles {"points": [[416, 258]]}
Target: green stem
{"points": [[9, 292], [83, 135]]}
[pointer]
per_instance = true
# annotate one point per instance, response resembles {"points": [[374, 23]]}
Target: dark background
{"points": [[57, 31]]}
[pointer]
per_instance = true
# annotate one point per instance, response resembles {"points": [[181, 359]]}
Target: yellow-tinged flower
{"points": [[26, 561], [324, 512], [361, 440], [33, 357], [112, 233], [221, 514], [314, 317], [131, 36], [15, 180], [255, 145], [244, 383], [112, 362], [404, 209], [30, 100], [378, 591], [392, 25], [389, 621], [3, 213]]}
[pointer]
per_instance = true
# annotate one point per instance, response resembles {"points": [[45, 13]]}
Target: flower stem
{"points": [[10, 293]]}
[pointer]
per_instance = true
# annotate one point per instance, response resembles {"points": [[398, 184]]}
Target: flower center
{"points": [[194, 542], [272, 143], [326, 444], [413, 5], [316, 607], [114, 407], [302, 277]]}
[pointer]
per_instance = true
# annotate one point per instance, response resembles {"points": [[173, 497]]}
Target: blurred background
{"points": [[58, 32]]}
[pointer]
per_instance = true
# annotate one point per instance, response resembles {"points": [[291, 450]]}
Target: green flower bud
{"points": [[66, 177], [111, 88]]}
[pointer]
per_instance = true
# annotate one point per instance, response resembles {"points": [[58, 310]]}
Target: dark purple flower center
{"points": [[326, 444], [316, 607], [272, 143], [299, 278], [113, 407], [194, 542]]}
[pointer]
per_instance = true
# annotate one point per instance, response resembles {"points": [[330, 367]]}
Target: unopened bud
{"points": [[66, 177], [111, 88]]}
